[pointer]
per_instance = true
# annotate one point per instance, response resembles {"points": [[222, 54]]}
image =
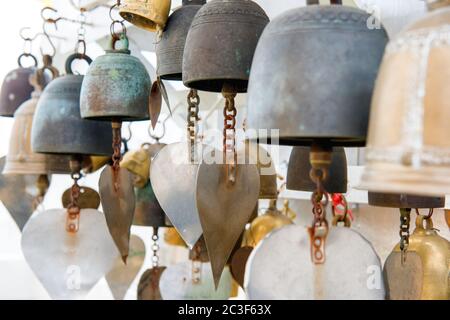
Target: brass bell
{"points": [[173, 238], [150, 15], [169, 50], [220, 45], [407, 147], [58, 127], [94, 163], [427, 261], [313, 74], [260, 227], [138, 162], [404, 201], [298, 177], [21, 159], [116, 86]]}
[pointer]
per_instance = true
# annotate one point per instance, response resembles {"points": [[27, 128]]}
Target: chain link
{"points": [[73, 210], [229, 135], [193, 101], [81, 43], [117, 154], [405, 219], [155, 248], [197, 264]]}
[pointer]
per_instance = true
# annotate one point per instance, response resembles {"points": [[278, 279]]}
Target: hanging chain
{"points": [[193, 101], [114, 22], [197, 263], [80, 47], [117, 154], [405, 218], [155, 248], [229, 135], [73, 210]]}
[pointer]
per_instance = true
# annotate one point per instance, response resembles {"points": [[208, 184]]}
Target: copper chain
{"points": [[229, 135], [405, 218], [117, 155], [197, 264], [155, 248], [193, 101], [73, 210]]}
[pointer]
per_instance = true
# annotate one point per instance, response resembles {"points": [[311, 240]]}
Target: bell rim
{"points": [[218, 84], [140, 21], [434, 202], [175, 76], [284, 140]]}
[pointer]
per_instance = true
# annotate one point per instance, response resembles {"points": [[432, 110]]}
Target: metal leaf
{"points": [[163, 90], [155, 103], [148, 288]]}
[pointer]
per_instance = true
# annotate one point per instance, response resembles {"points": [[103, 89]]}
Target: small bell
{"points": [[138, 163], [150, 15], [220, 45], [424, 275], [298, 177], [323, 61], [57, 125], [169, 50], [173, 238], [407, 147]]}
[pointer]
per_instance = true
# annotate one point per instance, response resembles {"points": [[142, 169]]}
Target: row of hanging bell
{"points": [[408, 148]]}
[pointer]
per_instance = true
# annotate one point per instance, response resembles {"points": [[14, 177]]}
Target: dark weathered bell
{"points": [[391, 200], [21, 159], [116, 87], [15, 90], [298, 177], [220, 45], [148, 212], [313, 75], [169, 50], [58, 126]]}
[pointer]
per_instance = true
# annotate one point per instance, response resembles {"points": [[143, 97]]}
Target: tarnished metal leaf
{"points": [[120, 277], [162, 89], [238, 262], [68, 264], [88, 199], [148, 288], [173, 180], [225, 208], [118, 206], [155, 103]]}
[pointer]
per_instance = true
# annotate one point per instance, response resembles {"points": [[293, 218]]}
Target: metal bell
{"points": [[408, 145], [298, 177], [15, 90], [21, 159], [116, 87], [313, 74], [138, 163], [220, 45], [173, 238], [404, 201], [148, 212], [58, 127], [150, 15], [169, 50]]}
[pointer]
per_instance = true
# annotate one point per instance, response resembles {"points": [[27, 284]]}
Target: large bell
{"points": [[408, 143], [15, 90], [116, 87], [169, 50], [21, 159], [150, 15], [220, 45], [313, 74], [58, 127], [298, 177], [404, 201]]}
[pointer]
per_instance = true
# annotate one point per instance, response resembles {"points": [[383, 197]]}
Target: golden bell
{"points": [[434, 253], [260, 227], [172, 237], [138, 162], [447, 217], [21, 159], [150, 15], [408, 148], [94, 163]]}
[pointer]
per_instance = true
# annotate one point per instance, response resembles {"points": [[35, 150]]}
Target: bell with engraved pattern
{"points": [[220, 45], [57, 125], [169, 50], [408, 150], [313, 74], [150, 15], [298, 177]]}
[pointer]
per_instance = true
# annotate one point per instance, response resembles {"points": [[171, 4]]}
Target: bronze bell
{"points": [[138, 163], [220, 45], [58, 127], [15, 90], [313, 75], [150, 15], [21, 159], [404, 201], [116, 86], [169, 50], [298, 177]]}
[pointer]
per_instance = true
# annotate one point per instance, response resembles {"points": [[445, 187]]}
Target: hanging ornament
{"points": [[407, 149], [120, 277], [150, 15]]}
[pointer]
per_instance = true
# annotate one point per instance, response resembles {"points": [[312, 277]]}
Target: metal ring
{"points": [[154, 136], [26, 55], [430, 213], [81, 43], [112, 29], [72, 58]]}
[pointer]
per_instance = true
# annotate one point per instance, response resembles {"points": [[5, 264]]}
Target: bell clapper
{"points": [[229, 133], [193, 101], [73, 209], [405, 218], [320, 159]]}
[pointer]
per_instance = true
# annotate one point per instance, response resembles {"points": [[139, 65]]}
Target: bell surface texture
{"points": [[16, 89], [404, 201], [299, 167], [116, 87], [313, 75], [150, 15], [220, 45], [169, 50], [408, 147]]}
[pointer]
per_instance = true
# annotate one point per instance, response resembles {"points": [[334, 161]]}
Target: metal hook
{"points": [[49, 40], [130, 133], [48, 19], [428, 216]]}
